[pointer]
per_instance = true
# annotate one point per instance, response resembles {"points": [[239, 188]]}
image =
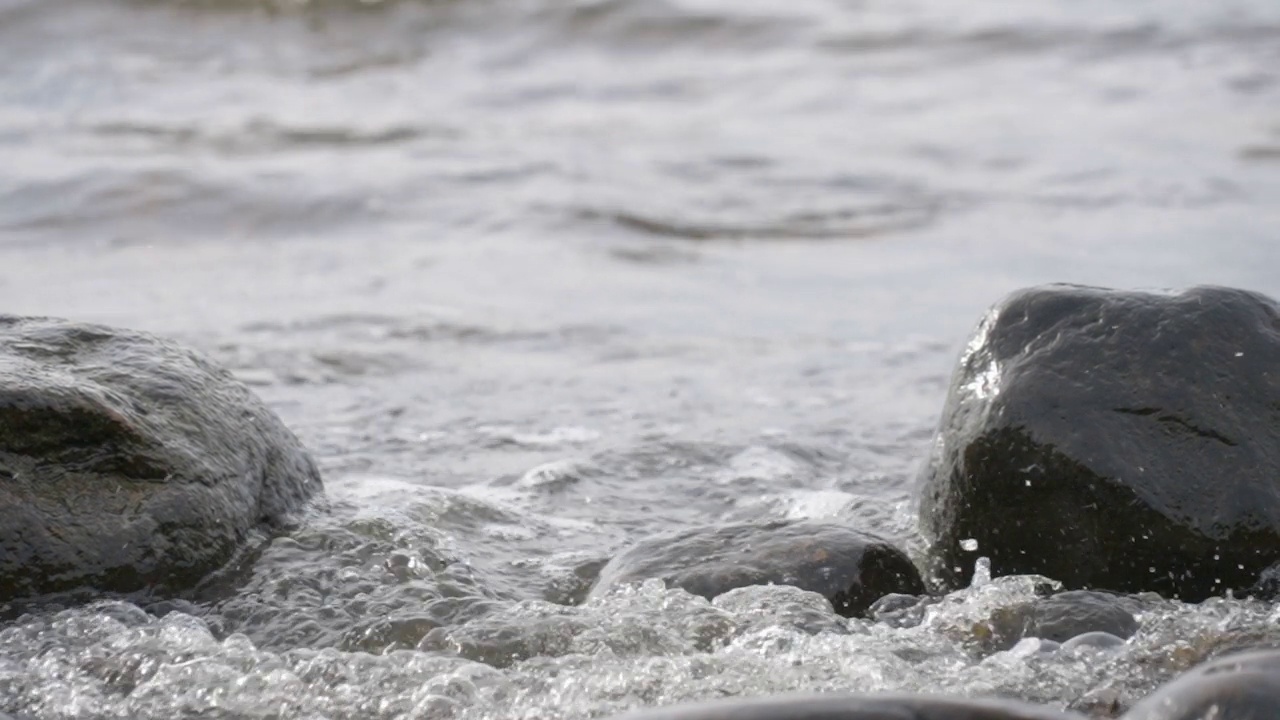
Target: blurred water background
{"points": [[538, 278]]}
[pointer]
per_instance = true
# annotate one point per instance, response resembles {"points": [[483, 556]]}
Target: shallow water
{"points": [[536, 278]]}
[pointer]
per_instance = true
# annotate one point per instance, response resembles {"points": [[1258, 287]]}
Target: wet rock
{"points": [[1100, 702], [1236, 638], [1075, 612], [1237, 686], [850, 568], [760, 607], [1095, 640], [852, 707], [1063, 616], [1268, 585], [1113, 440], [128, 462]]}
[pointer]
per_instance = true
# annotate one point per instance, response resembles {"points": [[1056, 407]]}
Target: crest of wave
{"points": [[641, 645]]}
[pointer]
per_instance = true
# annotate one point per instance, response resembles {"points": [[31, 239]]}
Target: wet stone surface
{"points": [[850, 568], [1244, 686], [1113, 440], [129, 462], [1066, 615], [855, 708], [535, 280]]}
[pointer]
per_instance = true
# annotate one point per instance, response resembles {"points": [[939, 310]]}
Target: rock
{"points": [[128, 462], [1075, 612], [850, 568], [1096, 640], [1061, 617], [852, 707], [763, 607], [1268, 585], [1113, 440], [1243, 686]]}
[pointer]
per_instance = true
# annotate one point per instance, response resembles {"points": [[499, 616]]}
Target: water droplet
{"points": [[981, 573]]}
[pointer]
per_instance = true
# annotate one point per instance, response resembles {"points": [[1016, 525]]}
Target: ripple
{"points": [[264, 135], [152, 202], [865, 222], [987, 39], [1260, 153]]}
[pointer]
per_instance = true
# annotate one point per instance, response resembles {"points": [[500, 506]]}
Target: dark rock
{"points": [[1268, 585], [1075, 612], [1061, 617], [1235, 687], [852, 707], [1114, 440], [850, 568], [129, 463]]}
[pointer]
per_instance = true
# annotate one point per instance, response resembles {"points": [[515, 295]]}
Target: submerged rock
{"points": [[1114, 440], [1064, 616], [128, 462], [852, 707], [850, 568], [1244, 686], [1095, 640], [762, 607]]}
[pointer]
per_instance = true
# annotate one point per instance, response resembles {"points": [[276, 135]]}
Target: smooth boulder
{"points": [[1234, 687], [1069, 614], [130, 463], [837, 706], [1063, 617], [852, 569], [1113, 440]]}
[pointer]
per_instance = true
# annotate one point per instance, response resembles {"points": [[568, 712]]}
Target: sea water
{"points": [[535, 279]]}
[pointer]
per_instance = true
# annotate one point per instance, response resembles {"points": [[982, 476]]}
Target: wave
{"points": [[865, 222], [158, 202]]}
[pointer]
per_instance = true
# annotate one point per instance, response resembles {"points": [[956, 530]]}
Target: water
{"points": [[537, 278]]}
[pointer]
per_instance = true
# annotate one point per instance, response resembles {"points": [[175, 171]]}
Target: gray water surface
{"points": [[538, 278]]}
